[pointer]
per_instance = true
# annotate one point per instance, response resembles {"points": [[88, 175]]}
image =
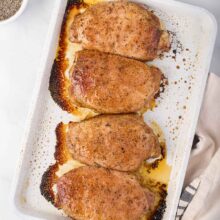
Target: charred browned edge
{"points": [[160, 191], [47, 182], [49, 178], [163, 83], [60, 154], [57, 90], [57, 86], [161, 207]]}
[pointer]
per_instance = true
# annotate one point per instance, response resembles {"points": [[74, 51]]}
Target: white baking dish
{"points": [[177, 112]]}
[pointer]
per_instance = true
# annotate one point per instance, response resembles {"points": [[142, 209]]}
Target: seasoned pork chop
{"points": [[89, 193], [120, 142], [122, 28], [111, 83]]}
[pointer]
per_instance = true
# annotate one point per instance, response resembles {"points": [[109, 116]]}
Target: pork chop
{"points": [[89, 193], [120, 27], [111, 83], [120, 142]]}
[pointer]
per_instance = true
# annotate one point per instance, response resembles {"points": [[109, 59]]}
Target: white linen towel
{"points": [[200, 199]]}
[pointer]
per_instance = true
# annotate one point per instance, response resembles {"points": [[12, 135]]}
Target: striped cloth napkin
{"points": [[200, 198]]}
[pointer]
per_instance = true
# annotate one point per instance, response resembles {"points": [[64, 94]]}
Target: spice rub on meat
{"points": [[120, 27], [112, 84], [89, 193], [120, 142]]}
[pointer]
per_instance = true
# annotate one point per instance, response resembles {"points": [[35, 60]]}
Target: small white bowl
{"points": [[17, 14]]}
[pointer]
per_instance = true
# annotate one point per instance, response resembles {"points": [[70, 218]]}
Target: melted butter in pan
{"points": [[160, 171], [156, 176]]}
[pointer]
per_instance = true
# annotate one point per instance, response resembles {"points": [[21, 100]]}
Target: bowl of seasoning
{"points": [[11, 10]]}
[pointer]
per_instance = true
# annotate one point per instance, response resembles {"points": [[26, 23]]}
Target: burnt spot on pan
{"points": [[59, 83], [57, 87], [61, 156], [49, 178], [61, 152], [177, 46], [72, 3], [163, 84], [47, 182], [161, 208]]}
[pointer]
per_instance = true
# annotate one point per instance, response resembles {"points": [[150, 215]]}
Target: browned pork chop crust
{"points": [[89, 193], [112, 84], [120, 142], [120, 27]]}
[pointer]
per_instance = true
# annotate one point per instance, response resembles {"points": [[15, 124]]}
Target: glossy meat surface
{"points": [[120, 142], [112, 84], [89, 193], [119, 27]]}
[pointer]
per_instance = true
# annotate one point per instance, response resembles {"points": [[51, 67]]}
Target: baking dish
{"points": [[193, 31]]}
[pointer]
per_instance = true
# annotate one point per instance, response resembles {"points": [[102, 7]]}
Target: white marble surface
{"points": [[21, 45]]}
